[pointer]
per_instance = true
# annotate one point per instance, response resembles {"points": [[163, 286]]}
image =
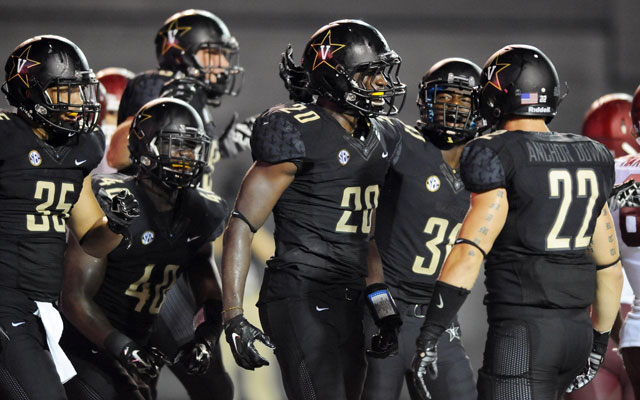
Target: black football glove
{"points": [[120, 210], [296, 79], [136, 359], [596, 358], [236, 136], [240, 335], [195, 356], [385, 314], [424, 365]]}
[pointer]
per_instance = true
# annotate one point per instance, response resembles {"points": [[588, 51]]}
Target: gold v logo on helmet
{"points": [[171, 36], [324, 51], [21, 66], [492, 74]]}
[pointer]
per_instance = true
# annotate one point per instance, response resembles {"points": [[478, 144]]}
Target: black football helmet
{"points": [[635, 114], [167, 142], [444, 122], [518, 80], [45, 62], [343, 58], [187, 32]]}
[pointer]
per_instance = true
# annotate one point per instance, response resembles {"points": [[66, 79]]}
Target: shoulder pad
{"points": [[480, 168], [217, 209], [143, 88], [276, 137], [209, 195]]}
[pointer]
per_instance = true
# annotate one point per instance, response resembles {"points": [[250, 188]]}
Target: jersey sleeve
{"points": [[480, 167], [111, 183], [276, 138], [217, 213]]}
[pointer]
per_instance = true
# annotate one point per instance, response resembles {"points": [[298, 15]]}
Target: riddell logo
{"points": [[539, 109]]}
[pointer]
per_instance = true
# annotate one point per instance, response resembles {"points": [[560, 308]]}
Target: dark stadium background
{"points": [[594, 45]]}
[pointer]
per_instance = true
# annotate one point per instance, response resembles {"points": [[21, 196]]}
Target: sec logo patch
{"points": [[343, 157], [433, 183], [147, 237], [34, 158]]}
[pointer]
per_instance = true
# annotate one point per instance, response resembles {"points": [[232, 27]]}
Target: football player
{"points": [[628, 167], [319, 167], [540, 221], [422, 205], [113, 302], [112, 80], [49, 146], [608, 121], [198, 62]]}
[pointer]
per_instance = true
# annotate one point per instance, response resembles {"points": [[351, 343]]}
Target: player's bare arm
{"points": [[118, 150], [604, 247], [484, 221], [261, 188], [83, 277], [89, 224], [374, 263]]}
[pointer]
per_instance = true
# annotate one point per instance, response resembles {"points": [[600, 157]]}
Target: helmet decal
{"points": [[141, 118], [171, 35], [324, 51], [492, 74], [21, 65]]}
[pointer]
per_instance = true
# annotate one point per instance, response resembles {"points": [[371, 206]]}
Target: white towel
{"points": [[53, 326]]}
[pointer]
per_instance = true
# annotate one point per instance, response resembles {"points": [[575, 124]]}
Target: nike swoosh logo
{"points": [[191, 239], [14, 324], [234, 336], [441, 302], [80, 162], [321, 308], [385, 154]]}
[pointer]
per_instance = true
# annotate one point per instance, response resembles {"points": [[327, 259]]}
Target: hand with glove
{"points": [[424, 365], [596, 358], [446, 300], [296, 79], [196, 355], [137, 360], [236, 136], [385, 314], [240, 335], [120, 211]]}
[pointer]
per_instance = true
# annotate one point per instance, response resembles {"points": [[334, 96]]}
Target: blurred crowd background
{"points": [[593, 44]]}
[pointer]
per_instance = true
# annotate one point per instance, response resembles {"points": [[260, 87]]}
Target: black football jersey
{"points": [[39, 184], [557, 184], [323, 219], [422, 205], [162, 245], [140, 90]]}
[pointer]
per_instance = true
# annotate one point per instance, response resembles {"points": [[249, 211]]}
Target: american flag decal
{"points": [[529, 98]]}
